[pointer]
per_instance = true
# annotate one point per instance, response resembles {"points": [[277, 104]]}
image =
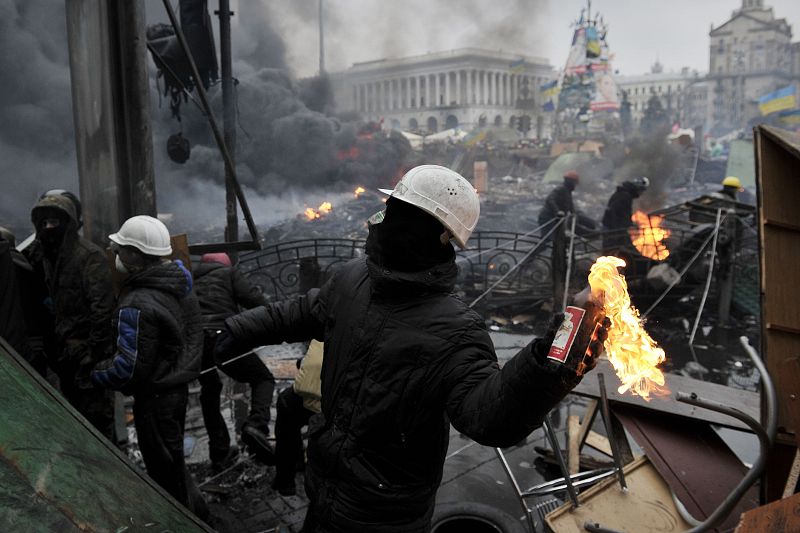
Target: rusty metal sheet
{"points": [[693, 460], [777, 517]]}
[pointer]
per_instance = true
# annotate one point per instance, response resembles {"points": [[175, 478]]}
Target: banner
{"points": [[517, 66], [548, 90], [789, 117], [778, 100]]}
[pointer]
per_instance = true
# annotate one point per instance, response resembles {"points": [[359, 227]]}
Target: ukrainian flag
{"points": [[789, 117], [517, 66], [778, 100], [549, 90]]}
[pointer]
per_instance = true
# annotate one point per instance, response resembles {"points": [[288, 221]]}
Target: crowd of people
{"points": [[395, 357]]}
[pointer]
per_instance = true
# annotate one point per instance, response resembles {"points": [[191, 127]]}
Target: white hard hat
{"points": [[445, 194], [147, 234]]}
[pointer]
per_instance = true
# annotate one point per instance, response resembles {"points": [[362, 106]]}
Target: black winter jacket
{"points": [[221, 291], [402, 358], [620, 207], [559, 199], [79, 283], [159, 333]]}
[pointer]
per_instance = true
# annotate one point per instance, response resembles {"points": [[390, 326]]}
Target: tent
{"points": [[567, 161]]}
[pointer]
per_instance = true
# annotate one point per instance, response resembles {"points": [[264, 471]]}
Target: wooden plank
{"points": [[592, 408], [573, 443], [692, 459], [646, 507], [745, 401], [782, 516], [598, 442], [794, 475]]}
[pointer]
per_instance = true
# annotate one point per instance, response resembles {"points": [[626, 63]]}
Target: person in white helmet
{"points": [[402, 358], [159, 344]]}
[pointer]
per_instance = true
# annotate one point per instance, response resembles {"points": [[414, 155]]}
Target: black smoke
{"points": [[37, 143]]}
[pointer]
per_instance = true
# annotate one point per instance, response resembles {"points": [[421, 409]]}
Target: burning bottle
{"points": [[576, 337]]}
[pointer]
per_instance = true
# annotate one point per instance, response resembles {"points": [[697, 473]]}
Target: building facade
{"points": [[669, 87], [750, 55], [461, 88]]}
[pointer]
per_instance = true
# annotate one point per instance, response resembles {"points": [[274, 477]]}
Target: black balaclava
{"points": [[408, 239], [570, 184], [51, 238]]}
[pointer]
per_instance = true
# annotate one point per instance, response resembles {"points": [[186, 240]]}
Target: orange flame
{"points": [[633, 353], [649, 238], [313, 214], [359, 191]]}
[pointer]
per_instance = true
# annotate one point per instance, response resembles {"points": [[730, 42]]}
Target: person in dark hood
{"points": [[617, 216], [81, 299], [403, 359], [559, 201], [222, 292], [158, 351]]}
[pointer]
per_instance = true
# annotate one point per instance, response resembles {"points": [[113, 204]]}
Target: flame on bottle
{"points": [[634, 355], [323, 209], [650, 236], [359, 191]]}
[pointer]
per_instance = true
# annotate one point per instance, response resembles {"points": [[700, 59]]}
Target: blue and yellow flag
{"points": [[549, 90], [791, 116], [517, 66], [548, 106], [778, 100]]}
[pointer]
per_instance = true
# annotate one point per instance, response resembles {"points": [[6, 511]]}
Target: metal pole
{"points": [[520, 496], [228, 117], [548, 429], [569, 263], [708, 279], [212, 121], [606, 412]]}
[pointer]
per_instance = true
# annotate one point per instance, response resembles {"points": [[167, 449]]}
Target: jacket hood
{"points": [[204, 268], [57, 201], [437, 279], [170, 277]]}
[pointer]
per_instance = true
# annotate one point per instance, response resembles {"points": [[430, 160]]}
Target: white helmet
{"points": [[445, 194], [147, 234]]}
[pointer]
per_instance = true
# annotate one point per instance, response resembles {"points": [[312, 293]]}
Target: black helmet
{"points": [[74, 199]]}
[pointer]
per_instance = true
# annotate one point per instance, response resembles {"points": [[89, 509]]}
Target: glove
{"points": [[596, 345], [83, 374], [225, 345]]}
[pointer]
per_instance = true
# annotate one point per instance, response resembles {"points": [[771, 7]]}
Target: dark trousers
{"points": [[291, 418], [159, 421], [248, 369]]}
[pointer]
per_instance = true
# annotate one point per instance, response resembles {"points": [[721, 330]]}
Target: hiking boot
{"points": [[284, 487], [257, 442], [226, 462]]}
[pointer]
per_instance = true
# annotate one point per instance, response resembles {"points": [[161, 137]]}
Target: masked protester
{"points": [[222, 290], [402, 357], [158, 350], [617, 216], [81, 299], [559, 201]]}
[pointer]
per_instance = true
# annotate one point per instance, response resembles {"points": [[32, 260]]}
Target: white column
{"points": [[448, 95], [506, 89], [468, 86], [438, 88], [495, 93], [390, 104], [416, 92], [427, 90], [458, 87], [408, 93], [485, 87]]}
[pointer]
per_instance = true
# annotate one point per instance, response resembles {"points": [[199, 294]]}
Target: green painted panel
{"points": [[58, 474], [741, 162], [565, 162]]}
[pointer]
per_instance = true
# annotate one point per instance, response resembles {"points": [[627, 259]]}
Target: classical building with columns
{"points": [[462, 88]]}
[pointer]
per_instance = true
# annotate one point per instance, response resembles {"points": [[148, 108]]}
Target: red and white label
{"points": [[565, 336]]}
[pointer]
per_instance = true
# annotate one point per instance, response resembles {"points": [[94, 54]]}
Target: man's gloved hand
{"points": [[596, 345], [225, 346]]}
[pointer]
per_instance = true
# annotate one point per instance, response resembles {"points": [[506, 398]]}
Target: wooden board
{"points": [[646, 507], [692, 459], [782, 516], [745, 401]]}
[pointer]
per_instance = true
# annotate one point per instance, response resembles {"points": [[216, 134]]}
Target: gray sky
{"points": [[361, 30]]}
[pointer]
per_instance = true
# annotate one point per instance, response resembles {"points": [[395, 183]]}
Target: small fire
{"points": [[649, 238], [323, 209], [634, 355], [359, 191]]}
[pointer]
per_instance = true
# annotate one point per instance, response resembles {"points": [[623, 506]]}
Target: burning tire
{"points": [[463, 517]]}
